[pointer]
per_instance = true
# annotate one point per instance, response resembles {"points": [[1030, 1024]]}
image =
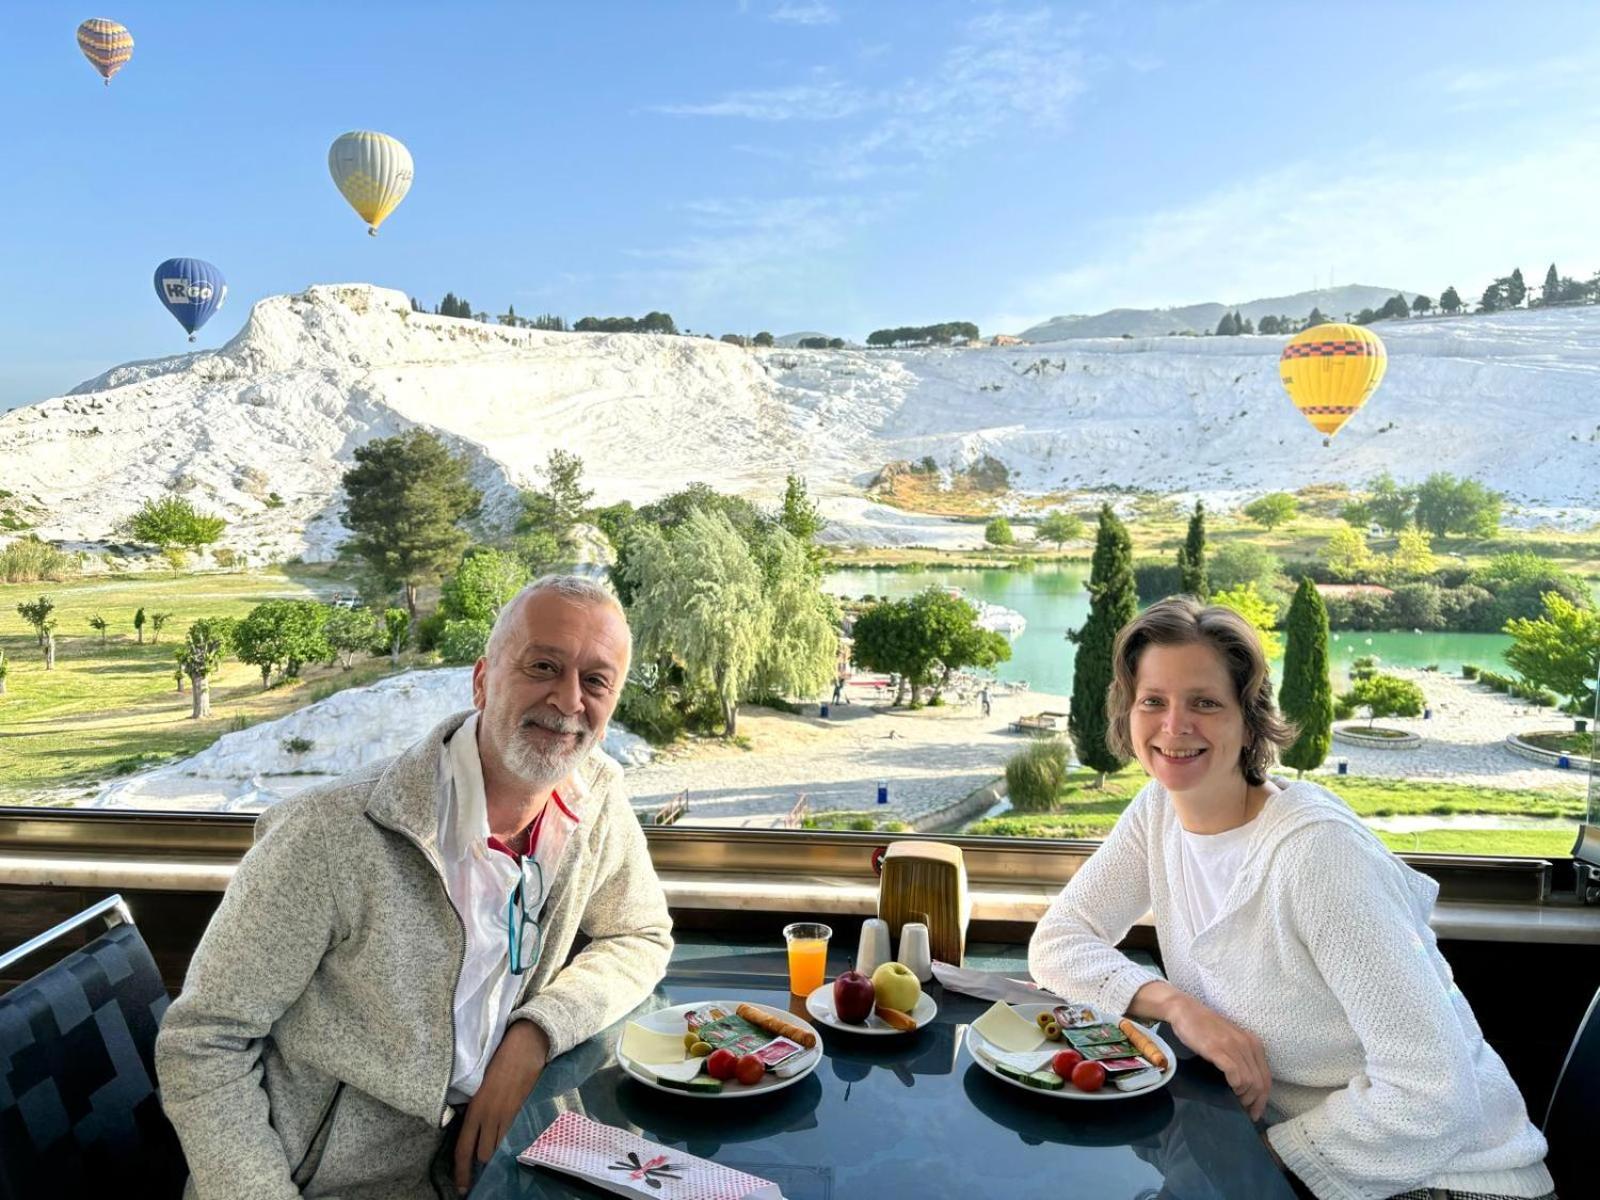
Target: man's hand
{"points": [[514, 1068]]}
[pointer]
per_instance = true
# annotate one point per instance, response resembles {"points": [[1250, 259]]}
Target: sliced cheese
{"points": [[1005, 1030], [652, 1047]]}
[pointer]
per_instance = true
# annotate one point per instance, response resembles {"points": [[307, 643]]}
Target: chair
{"points": [[1574, 1114], [79, 1112]]}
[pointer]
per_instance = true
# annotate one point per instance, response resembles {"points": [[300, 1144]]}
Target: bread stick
{"points": [[1141, 1042], [777, 1025]]}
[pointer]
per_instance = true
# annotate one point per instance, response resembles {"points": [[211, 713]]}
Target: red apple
{"points": [[853, 997]]}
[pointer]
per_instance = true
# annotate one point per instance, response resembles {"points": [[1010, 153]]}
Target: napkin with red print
{"points": [[626, 1164]]}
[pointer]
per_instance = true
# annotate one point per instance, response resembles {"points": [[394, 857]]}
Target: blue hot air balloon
{"points": [[191, 289]]}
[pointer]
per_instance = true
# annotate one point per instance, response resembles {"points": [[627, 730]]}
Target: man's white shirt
{"points": [[480, 879]]}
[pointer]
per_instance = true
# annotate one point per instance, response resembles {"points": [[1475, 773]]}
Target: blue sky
{"points": [[786, 164]]}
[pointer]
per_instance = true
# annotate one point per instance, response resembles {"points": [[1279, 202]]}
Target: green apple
{"points": [[896, 987]]}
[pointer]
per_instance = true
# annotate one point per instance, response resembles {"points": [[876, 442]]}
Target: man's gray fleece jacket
{"points": [[312, 1047]]}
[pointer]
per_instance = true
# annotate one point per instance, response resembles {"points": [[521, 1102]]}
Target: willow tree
{"points": [[699, 600], [1306, 696], [801, 651], [1113, 602]]}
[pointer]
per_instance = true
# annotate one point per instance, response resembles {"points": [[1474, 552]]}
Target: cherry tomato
{"points": [[1088, 1077], [721, 1064], [1064, 1062], [749, 1069]]}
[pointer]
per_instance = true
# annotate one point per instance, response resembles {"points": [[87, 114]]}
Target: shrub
{"points": [[29, 559], [654, 716], [225, 558], [1035, 775], [429, 630], [1364, 667], [463, 641], [297, 745], [998, 532], [1344, 707], [1469, 671], [1156, 580]]}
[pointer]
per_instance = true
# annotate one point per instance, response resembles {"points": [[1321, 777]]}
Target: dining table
{"points": [[911, 1115]]}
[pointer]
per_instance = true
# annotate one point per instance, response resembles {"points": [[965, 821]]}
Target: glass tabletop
{"points": [[883, 1117]]}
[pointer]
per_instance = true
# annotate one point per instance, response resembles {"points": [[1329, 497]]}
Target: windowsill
{"points": [[813, 895]]}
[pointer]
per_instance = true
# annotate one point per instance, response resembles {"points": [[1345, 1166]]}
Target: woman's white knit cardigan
{"points": [[1381, 1079]]}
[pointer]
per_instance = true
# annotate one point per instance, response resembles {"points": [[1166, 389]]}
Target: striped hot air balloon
{"points": [[106, 44], [372, 171], [1329, 372]]}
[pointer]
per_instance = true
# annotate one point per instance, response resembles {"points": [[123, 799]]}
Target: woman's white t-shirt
{"points": [[1210, 862]]}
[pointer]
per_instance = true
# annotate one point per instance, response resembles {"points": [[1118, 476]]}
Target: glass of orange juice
{"points": [[808, 956]]}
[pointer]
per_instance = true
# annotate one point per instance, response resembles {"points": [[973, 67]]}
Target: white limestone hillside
{"points": [[252, 768], [1509, 400]]}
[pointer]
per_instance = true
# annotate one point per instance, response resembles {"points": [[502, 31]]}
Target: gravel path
{"points": [[933, 757], [1464, 741], [929, 758]]}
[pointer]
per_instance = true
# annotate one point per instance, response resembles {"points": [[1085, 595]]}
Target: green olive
{"points": [[699, 1049], [689, 1039]]}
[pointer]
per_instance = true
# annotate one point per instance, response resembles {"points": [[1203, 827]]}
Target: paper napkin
{"points": [[627, 1165]]}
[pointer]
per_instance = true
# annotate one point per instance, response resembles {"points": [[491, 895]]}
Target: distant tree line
{"points": [[821, 343], [923, 335], [651, 322]]}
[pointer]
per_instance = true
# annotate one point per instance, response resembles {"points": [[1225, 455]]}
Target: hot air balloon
{"points": [[192, 290], [372, 172], [1329, 371], [106, 44]]}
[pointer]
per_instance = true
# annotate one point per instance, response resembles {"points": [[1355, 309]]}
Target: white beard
{"points": [[540, 767]]}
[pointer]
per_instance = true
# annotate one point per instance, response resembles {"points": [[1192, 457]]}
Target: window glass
{"points": [[884, 359]]}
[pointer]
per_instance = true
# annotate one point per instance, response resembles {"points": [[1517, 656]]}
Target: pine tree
{"points": [[1226, 327], [1194, 580], [1552, 285], [1113, 602], [1317, 317], [1306, 696], [1451, 300], [1516, 290]]}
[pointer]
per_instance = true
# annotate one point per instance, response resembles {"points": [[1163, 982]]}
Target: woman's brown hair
{"points": [[1181, 621]]}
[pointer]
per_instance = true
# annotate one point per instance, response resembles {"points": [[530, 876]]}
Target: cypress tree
{"points": [[1306, 696], [1192, 558], [1113, 602]]}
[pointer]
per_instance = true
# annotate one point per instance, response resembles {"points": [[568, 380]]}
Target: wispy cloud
{"points": [[815, 13], [1398, 220], [1465, 89], [829, 100], [1005, 68]]}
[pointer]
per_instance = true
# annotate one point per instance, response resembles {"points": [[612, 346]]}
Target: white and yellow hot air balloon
{"points": [[1330, 371], [372, 171]]}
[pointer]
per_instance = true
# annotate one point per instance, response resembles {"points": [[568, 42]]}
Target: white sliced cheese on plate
{"points": [[652, 1047], [1003, 1029]]}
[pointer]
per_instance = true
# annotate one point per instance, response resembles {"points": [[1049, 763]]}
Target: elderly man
{"points": [[392, 956]]}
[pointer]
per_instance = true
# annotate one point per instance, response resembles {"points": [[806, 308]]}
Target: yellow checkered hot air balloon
{"points": [[106, 44], [1329, 372], [372, 172]]}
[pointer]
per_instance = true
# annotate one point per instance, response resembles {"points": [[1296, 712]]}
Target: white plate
{"points": [[670, 1020], [980, 1048], [820, 1005]]}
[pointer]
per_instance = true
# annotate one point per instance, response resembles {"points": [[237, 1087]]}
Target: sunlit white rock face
{"points": [[268, 762], [279, 410]]}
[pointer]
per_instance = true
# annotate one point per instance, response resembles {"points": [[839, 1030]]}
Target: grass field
{"points": [[106, 711], [1084, 811]]}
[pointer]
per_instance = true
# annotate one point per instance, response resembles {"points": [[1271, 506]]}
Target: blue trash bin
{"points": [[1343, 766], [824, 709], [1564, 763], [1427, 714], [883, 791]]}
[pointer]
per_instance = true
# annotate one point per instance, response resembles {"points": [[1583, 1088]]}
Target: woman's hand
{"points": [[1236, 1052]]}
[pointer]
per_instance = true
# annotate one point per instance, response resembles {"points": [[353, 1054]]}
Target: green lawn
{"points": [[109, 710], [1083, 811]]}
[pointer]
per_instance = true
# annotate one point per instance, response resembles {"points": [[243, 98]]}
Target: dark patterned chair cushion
{"points": [[79, 1113]]}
